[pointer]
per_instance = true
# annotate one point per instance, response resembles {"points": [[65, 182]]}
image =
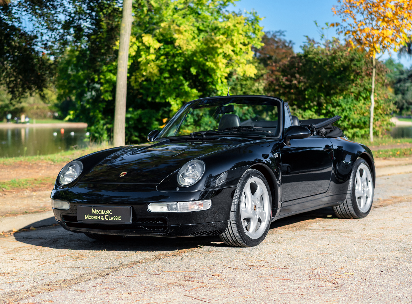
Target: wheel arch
{"points": [[273, 184], [371, 165]]}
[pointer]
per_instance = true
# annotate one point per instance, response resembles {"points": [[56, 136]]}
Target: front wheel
{"points": [[359, 198], [250, 214]]}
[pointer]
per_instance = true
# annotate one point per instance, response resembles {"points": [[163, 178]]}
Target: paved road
{"points": [[312, 258]]}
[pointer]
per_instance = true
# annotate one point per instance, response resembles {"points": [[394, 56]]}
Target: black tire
{"points": [[104, 237], [352, 208], [249, 232]]}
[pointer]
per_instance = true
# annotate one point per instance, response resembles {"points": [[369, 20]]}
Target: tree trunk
{"points": [[121, 80], [372, 98]]}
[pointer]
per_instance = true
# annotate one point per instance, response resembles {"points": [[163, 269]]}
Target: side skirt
{"points": [[311, 203]]}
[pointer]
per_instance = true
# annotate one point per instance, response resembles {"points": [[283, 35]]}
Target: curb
{"points": [[35, 220]]}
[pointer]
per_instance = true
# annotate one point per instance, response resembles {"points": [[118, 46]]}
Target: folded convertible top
{"points": [[324, 126]]}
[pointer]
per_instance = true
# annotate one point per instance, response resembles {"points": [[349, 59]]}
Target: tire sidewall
{"points": [[355, 207], [236, 200]]}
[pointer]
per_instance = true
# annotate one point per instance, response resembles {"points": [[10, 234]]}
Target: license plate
{"points": [[104, 214]]}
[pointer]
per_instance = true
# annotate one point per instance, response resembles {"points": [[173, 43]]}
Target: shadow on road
{"points": [[58, 238]]}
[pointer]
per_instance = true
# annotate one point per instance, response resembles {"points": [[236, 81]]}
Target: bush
{"points": [[330, 79]]}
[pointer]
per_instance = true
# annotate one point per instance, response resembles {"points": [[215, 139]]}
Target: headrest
{"points": [[229, 121], [295, 121]]}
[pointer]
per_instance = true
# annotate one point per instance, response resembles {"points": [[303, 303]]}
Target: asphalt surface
{"points": [[311, 258]]}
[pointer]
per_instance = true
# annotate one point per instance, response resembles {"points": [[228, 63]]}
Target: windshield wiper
{"points": [[246, 128], [203, 134]]}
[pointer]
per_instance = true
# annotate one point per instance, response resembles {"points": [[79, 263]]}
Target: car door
{"points": [[306, 168]]}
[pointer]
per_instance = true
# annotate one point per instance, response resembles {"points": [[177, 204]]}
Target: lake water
{"points": [[40, 141], [402, 132]]}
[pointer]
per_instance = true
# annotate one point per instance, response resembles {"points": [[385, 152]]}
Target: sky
{"points": [[296, 18]]}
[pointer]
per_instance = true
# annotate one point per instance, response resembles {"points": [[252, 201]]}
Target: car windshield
{"points": [[228, 115]]}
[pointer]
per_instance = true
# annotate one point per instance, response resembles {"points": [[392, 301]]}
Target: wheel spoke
{"points": [[246, 214], [362, 201], [364, 176], [358, 178], [248, 194], [262, 215], [258, 193], [358, 192], [253, 224]]}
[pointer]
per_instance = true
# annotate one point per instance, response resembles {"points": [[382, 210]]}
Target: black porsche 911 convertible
{"points": [[225, 166]]}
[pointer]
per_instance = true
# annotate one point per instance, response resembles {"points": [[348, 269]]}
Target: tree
{"points": [[330, 79], [33, 35], [401, 81], [406, 49], [121, 79], [179, 50], [374, 26], [275, 53]]}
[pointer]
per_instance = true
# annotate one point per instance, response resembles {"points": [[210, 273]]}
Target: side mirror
{"points": [[296, 132], [152, 135]]}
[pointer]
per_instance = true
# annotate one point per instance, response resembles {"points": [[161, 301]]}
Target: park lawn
{"points": [[382, 141], [28, 183], [47, 121], [405, 119], [396, 153]]}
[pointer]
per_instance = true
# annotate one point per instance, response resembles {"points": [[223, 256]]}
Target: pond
{"points": [[29, 141], [402, 132]]}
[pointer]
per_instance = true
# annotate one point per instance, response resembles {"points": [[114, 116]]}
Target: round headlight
{"points": [[70, 172], [191, 173]]}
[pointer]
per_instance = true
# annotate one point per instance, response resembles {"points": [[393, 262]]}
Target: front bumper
{"points": [[207, 222]]}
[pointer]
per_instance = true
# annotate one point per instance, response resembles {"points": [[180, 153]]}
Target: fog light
{"points": [[58, 204], [180, 206]]}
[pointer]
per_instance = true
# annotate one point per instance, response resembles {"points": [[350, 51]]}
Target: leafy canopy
{"points": [[331, 79], [179, 51], [374, 25]]}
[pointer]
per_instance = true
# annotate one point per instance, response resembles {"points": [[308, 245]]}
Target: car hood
{"points": [[151, 164]]}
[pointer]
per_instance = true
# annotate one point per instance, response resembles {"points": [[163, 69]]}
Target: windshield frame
{"points": [[225, 99]]}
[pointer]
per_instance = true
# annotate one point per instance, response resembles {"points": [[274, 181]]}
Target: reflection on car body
{"points": [[225, 166]]}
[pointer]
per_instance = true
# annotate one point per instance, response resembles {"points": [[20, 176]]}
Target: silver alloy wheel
{"points": [[363, 188], [255, 208]]}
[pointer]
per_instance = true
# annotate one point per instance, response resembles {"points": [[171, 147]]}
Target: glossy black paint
{"points": [[304, 173]]}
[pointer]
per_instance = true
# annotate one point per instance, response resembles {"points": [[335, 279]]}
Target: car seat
{"points": [[229, 121], [295, 121]]}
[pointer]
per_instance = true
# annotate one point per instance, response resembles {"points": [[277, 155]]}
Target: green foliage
{"points": [[401, 80], [34, 106], [179, 51], [330, 79]]}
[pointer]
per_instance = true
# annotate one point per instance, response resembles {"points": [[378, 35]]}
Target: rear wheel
{"points": [[250, 213], [359, 198]]}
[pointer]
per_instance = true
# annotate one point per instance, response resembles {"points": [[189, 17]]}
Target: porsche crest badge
{"points": [[123, 174]]}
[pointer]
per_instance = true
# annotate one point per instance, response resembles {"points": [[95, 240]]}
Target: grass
{"points": [[61, 157], [405, 119], [47, 121], [27, 183], [396, 153], [382, 141]]}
